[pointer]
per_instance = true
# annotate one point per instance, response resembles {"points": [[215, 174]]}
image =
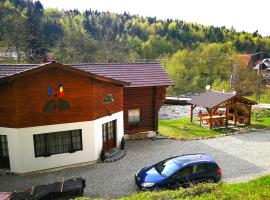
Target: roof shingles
{"points": [[211, 99], [138, 74]]}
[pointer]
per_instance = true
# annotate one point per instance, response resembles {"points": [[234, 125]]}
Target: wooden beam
{"points": [[235, 115], [191, 112], [226, 120], [210, 120], [215, 109], [249, 115]]}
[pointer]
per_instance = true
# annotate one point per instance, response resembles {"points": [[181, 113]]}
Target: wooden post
{"points": [[249, 115], [191, 113], [226, 115], [210, 120], [235, 115]]}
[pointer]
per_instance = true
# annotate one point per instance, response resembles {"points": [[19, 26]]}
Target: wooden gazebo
{"points": [[234, 108]]}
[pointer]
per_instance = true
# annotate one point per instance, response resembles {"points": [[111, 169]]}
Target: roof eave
{"points": [[65, 67]]}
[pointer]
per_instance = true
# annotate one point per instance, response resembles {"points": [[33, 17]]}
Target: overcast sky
{"points": [[247, 15]]}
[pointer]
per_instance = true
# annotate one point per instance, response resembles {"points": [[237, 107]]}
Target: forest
{"points": [[193, 54]]}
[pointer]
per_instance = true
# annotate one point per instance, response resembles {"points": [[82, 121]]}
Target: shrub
{"points": [[102, 155], [122, 146]]}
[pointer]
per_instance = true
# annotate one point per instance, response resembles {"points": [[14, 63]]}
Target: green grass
{"points": [[258, 189], [260, 119], [264, 97], [175, 128]]}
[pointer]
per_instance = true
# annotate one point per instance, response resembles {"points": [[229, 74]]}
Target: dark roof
{"points": [[7, 70], [211, 99], [138, 74]]}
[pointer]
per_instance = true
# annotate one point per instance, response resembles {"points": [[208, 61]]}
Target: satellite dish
{"points": [[207, 87]]}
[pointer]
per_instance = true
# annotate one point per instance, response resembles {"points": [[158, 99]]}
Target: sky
{"points": [[247, 15]]}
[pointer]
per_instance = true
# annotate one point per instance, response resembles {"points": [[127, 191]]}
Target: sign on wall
{"points": [[56, 101]]}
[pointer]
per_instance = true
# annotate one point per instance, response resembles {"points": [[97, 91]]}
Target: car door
{"points": [[182, 177], [201, 173]]}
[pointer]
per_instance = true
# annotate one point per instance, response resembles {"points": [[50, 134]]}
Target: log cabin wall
{"points": [[100, 90], [148, 100], [84, 95], [7, 105]]}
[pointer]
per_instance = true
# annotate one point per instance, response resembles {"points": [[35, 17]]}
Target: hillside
{"points": [[205, 54], [93, 36]]}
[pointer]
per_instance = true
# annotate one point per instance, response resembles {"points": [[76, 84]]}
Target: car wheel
{"points": [[155, 189], [212, 180]]}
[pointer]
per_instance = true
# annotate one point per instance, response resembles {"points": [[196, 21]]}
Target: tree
{"points": [[13, 32], [76, 45], [35, 49]]}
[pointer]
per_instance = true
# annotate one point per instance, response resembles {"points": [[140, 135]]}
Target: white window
{"points": [[133, 116]]}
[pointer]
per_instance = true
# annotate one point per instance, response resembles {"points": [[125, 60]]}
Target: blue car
{"points": [[179, 171]]}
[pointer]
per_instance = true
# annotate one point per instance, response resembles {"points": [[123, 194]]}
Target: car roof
{"points": [[188, 159]]}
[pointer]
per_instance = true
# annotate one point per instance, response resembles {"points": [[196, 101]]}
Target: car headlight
{"points": [[147, 185]]}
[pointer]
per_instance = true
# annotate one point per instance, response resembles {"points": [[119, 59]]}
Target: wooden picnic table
{"points": [[218, 120]]}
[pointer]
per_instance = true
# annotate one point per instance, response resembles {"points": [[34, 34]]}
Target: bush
{"points": [[102, 155], [122, 146]]}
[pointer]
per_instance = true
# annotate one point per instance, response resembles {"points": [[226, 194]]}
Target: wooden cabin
{"points": [[142, 98], [55, 115], [222, 108]]}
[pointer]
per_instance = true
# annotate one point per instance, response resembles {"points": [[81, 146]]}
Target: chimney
{"points": [[47, 58]]}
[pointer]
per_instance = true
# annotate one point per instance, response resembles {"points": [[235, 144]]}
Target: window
{"points": [[133, 116], [108, 130], [56, 143], [3, 146], [186, 171], [200, 168], [166, 167]]}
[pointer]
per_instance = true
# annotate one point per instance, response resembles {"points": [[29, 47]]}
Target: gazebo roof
{"points": [[212, 99]]}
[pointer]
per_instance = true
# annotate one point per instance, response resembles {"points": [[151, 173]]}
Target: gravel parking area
{"points": [[241, 157]]}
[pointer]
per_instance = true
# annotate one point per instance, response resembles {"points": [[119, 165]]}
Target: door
{"points": [[4, 157], [109, 135], [206, 172], [182, 177]]}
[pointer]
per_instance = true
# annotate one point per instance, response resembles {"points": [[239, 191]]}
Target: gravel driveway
{"points": [[241, 157]]}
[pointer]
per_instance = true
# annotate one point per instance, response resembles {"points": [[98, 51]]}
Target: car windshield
{"points": [[166, 167]]}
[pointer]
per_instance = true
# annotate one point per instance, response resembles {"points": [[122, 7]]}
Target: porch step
{"points": [[112, 152], [5, 172], [114, 155]]}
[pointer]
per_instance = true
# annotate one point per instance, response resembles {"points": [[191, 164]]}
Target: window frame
{"points": [[136, 121], [179, 173], [201, 168], [54, 143], [109, 131]]}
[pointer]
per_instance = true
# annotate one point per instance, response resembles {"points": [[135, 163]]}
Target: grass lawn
{"points": [[260, 118], [257, 189], [175, 128], [264, 98]]}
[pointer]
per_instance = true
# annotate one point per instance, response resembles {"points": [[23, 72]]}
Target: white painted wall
{"points": [[21, 144], [119, 129]]}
